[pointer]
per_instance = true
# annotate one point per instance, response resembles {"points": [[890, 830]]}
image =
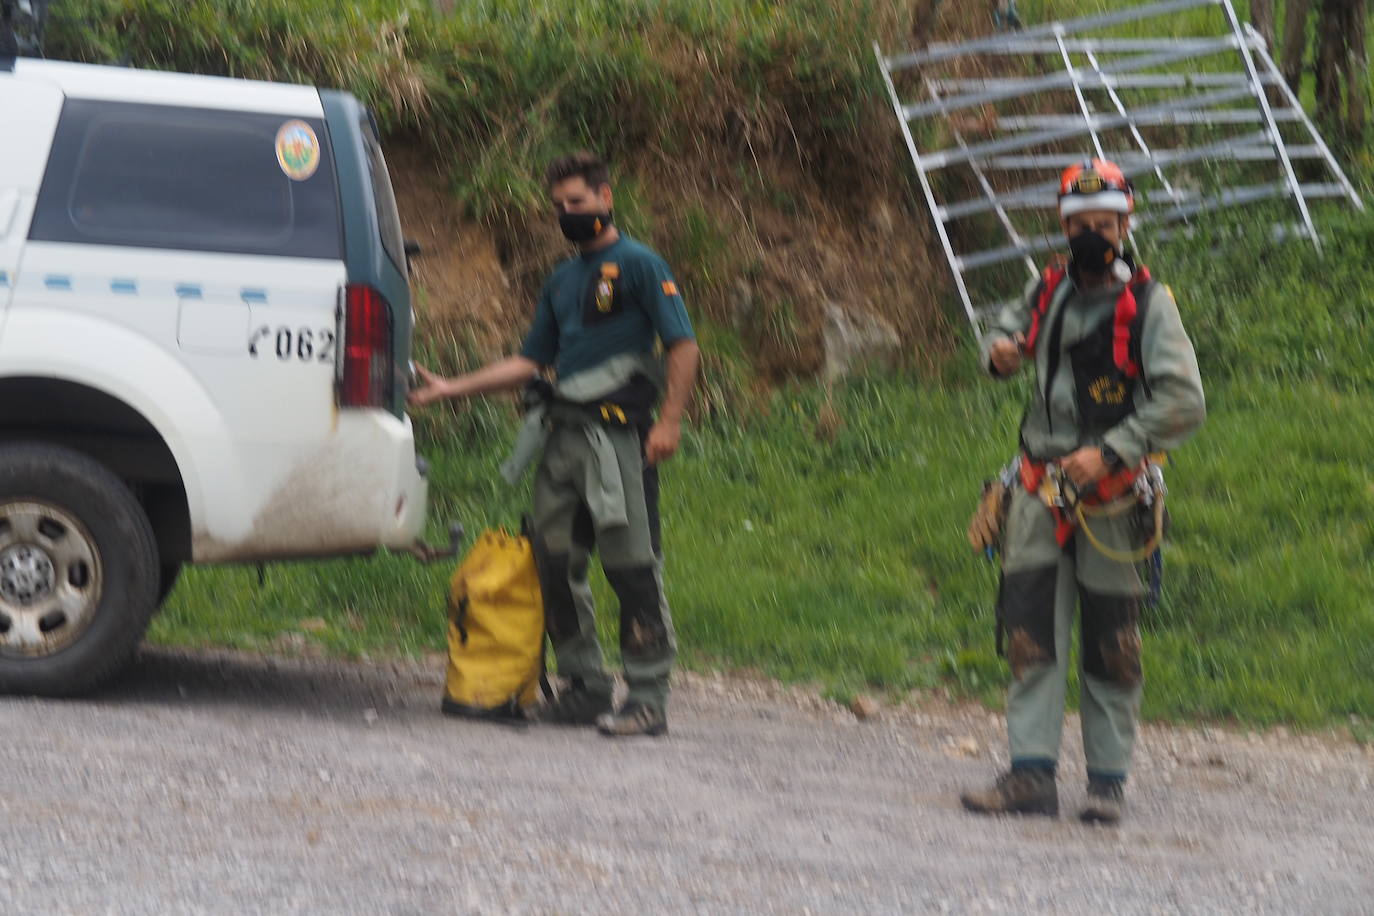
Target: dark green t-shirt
{"points": [[599, 305]]}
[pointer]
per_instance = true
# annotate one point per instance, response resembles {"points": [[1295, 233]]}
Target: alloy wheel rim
{"points": [[50, 579]]}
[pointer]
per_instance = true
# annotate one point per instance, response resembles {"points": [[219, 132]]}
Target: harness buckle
{"points": [[1057, 489]]}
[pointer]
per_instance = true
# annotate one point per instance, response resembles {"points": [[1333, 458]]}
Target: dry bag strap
{"points": [[460, 620]]}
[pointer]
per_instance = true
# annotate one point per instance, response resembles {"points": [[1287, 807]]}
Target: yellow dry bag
{"points": [[495, 629]]}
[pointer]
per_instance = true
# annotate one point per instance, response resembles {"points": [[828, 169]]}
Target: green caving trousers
{"points": [[567, 533], [1041, 583]]}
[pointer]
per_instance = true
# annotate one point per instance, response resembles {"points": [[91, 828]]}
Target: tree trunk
{"points": [[1356, 66], [1330, 63], [1262, 18], [1294, 42]]}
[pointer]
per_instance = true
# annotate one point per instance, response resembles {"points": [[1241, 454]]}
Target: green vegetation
{"points": [[497, 87], [836, 560]]}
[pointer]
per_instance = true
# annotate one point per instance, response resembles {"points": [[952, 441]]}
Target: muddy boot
{"points": [[1028, 791], [633, 719], [576, 704], [1106, 798]]}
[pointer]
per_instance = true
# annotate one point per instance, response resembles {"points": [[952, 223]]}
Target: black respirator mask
{"points": [[583, 227], [1091, 252]]}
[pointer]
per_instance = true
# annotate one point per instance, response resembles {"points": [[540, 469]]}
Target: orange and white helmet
{"points": [[1094, 184]]}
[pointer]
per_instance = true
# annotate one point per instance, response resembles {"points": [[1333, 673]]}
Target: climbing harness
{"points": [[1061, 494]]}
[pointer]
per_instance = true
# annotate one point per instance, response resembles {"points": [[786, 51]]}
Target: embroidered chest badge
{"points": [[605, 287], [1107, 390]]}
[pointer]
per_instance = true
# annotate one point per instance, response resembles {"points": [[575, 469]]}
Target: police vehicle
{"points": [[204, 326]]}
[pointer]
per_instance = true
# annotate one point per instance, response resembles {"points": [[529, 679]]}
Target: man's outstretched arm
{"points": [[502, 375]]}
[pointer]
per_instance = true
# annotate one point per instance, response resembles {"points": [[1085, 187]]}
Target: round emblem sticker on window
{"points": [[298, 150]]}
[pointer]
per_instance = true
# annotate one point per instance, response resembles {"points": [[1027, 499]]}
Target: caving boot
{"points": [[1017, 791], [633, 719], [1106, 799], [576, 704]]}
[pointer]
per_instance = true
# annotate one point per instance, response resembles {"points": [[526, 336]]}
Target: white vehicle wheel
{"points": [[79, 571]]}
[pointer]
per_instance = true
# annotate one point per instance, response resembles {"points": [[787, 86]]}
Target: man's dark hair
{"points": [[581, 164]]}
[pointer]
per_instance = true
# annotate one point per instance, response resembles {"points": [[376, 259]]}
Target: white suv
{"points": [[204, 327]]}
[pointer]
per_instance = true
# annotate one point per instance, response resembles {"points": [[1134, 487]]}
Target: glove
{"points": [[985, 528]]}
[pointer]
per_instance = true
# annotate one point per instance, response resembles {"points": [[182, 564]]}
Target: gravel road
{"points": [[220, 783]]}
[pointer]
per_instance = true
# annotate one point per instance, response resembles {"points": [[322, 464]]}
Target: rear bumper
{"points": [[405, 519], [358, 489]]}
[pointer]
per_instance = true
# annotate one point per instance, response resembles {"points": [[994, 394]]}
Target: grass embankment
{"points": [[751, 141], [491, 86], [838, 560]]}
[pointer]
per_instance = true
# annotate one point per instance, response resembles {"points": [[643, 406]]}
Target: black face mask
{"points": [[583, 227], [1091, 252]]}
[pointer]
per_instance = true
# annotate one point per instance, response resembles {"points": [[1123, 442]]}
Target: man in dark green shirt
{"points": [[598, 324]]}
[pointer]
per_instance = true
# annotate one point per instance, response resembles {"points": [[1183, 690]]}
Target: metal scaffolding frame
{"points": [[1096, 71]]}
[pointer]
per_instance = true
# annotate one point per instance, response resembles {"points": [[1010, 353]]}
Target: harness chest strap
{"points": [[1124, 330]]}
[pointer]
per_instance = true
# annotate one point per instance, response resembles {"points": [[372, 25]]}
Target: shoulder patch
{"points": [[669, 288]]}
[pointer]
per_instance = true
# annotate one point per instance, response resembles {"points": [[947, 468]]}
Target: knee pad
{"points": [[1026, 608], [643, 630], [1111, 637]]}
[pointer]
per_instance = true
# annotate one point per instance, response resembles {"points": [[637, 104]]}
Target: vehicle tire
{"points": [[79, 571]]}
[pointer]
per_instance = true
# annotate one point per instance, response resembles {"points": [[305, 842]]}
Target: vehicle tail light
{"points": [[367, 355]]}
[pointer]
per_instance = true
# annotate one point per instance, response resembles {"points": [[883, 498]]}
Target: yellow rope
{"points": [[1113, 509]]}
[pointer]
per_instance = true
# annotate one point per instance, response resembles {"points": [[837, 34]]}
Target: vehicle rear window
{"points": [[388, 216], [154, 176]]}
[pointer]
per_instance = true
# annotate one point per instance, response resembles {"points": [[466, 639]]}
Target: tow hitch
{"points": [[429, 553]]}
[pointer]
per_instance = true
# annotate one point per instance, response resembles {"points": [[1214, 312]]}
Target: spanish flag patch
{"points": [[669, 288]]}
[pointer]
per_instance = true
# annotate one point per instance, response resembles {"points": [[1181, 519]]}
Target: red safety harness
{"points": [[1125, 329]]}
